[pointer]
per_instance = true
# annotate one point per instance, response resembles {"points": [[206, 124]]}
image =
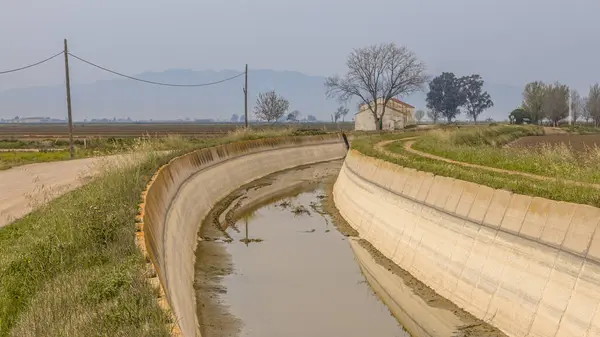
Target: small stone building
{"points": [[397, 115]]}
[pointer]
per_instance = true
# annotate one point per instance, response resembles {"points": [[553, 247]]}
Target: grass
{"points": [[17, 158], [71, 267], [555, 190], [483, 146], [50, 151], [581, 129]]}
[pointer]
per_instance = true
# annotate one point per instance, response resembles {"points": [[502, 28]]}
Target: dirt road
{"points": [[24, 188], [408, 143]]}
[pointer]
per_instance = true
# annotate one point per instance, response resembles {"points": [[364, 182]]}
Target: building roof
{"points": [[393, 99], [401, 102]]}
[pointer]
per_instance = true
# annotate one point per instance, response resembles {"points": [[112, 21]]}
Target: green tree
{"points": [[519, 116], [476, 100], [293, 116], [533, 100], [446, 95]]}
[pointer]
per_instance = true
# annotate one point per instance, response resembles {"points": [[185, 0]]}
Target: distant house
{"points": [[397, 115]]}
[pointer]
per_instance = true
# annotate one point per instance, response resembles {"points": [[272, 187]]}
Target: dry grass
{"points": [[49, 261], [104, 147], [550, 189], [71, 268], [483, 146]]}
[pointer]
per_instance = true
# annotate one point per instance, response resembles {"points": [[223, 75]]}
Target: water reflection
{"points": [[295, 276]]}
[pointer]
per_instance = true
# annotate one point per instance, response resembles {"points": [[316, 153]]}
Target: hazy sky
{"points": [[506, 41]]}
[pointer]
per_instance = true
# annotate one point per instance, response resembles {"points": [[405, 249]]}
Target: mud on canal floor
{"points": [[283, 269], [276, 259]]}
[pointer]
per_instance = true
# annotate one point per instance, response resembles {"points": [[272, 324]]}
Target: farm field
{"points": [[575, 142], [117, 130], [552, 173]]}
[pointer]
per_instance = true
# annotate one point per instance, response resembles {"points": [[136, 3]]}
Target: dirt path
{"points": [[554, 131], [24, 188], [380, 147]]}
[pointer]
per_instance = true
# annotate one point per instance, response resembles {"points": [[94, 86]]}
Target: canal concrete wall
{"points": [[527, 265], [182, 193]]}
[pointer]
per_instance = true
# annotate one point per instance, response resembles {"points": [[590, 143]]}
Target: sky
{"points": [[506, 41]]}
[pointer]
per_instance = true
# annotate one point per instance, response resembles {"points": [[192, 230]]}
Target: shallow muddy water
{"points": [[283, 269], [302, 280]]}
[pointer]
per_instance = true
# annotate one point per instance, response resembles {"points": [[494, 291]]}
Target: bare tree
{"points": [[340, 113], [270, 106], [593, 104], [335, 117], [434, 115], [378, 71], [576, 105], [533, 99], [419, 114], [556, 102], [343, 111], [585, 113]]}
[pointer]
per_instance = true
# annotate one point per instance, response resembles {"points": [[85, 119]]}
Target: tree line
{"points": [[378, 73], [272, 107], [551, 101], [448, 94]]}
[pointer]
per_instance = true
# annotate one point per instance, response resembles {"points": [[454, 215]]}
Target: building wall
{"points": [[396, 117]]}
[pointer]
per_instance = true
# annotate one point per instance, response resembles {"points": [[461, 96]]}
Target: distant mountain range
{"points": [[122, 98]]}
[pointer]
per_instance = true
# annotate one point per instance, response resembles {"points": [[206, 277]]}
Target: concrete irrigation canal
{"points": [[272, 263], [300, 237]]}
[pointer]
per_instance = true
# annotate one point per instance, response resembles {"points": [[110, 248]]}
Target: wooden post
{"points": [[71, 147], [246, 99]]}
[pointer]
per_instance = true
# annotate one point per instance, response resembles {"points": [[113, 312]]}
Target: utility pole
{"points": [[71, 148], [246, 98]]}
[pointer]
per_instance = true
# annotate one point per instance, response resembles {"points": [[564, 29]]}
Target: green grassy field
{"points": [[581, 129], [483, 146], [551, 189], [71, 268], [17, 158], [58, 150]]}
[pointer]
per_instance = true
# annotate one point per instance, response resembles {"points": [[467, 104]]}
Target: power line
{"points": [[156, 83], [31, 65]]}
